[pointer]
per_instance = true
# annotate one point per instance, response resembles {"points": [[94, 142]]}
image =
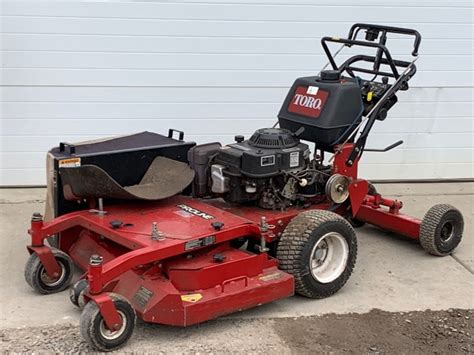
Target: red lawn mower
{"points": [[178, 233]]}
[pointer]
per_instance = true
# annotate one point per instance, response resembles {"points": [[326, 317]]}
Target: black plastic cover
{"points": [[328, 110]]}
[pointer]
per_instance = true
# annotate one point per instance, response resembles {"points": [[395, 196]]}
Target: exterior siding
{"points": [[75, 71]]}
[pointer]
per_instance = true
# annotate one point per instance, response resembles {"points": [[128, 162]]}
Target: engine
{"points": [[272, 169]]}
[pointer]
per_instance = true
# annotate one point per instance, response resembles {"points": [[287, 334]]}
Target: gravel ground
{"points": [[376, 332]]}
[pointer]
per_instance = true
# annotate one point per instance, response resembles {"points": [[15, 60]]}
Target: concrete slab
{"points": [[392, 274]]}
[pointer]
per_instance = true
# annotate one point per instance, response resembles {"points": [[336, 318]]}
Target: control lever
{"points": [[386, 149]]}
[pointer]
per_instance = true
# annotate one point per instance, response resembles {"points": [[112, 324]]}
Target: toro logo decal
{"points": [[308, 101], [195, 212]]}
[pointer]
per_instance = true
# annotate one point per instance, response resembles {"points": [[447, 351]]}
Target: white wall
{"points": [[79, 70]]}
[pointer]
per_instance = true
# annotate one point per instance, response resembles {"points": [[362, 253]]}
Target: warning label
{"points": [[70, 163]]}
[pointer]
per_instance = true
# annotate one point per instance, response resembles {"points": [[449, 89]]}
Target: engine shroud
{"points": [[267, 153]]}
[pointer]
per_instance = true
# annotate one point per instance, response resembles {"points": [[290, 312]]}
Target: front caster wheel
{"points": [[319, 248], [441, 229], [36, 277], [95, 332], [76, 293]]}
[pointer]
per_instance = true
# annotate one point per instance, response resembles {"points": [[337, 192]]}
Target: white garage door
{"points": [[73, 71]]}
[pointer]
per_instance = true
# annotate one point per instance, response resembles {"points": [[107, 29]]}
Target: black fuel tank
{"points": [[328, 107]]}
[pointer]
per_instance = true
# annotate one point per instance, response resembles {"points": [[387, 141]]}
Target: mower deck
{"points": [[190, 285], [173, 259]]}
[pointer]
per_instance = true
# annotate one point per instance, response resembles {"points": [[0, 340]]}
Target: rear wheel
{"points": [[319, 248], [95, 332], [36, 277], [441, 229]]}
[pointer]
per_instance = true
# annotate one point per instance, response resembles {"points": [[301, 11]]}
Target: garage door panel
{"points": [[300, 12], [274, 95], [428, 171], [206, 45], [196, 78], [214, 127], [105, 26], [201, 110], [171, 61]]}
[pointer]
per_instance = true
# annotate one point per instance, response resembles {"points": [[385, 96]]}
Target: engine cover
{"points": [[267, 153]]}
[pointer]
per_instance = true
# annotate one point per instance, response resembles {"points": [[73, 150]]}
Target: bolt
{"points": [[37, 217], [55, 274], [155, 233], [95, 260], [263, 224]]}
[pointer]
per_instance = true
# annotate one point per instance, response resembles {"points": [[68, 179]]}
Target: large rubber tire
{"points": [[441, 229], [355, 222], [35, 274], [76, 293], [93, 328], [296, 246]]}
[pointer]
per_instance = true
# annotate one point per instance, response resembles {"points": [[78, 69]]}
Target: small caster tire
{"points": [[319, 248], [36, 277], [441, 229], [76, 293], [93, 328]]}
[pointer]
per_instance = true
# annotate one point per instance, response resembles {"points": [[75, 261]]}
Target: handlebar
{"points": [[387, 29], [382, 57]]}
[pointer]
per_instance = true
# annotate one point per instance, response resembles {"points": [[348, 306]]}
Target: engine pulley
{"points": [[337, 188]]}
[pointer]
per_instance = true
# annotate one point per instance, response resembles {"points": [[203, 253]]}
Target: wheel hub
{"points": [[329, 257], [113, 334], [320, 253], [51, 282], [447, 231]]}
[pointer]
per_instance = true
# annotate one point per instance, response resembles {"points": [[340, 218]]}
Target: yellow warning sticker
{"points": [[70, 163], [194, 297]]}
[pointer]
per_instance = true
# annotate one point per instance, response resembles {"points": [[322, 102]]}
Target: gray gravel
{"points": [[439, 332], [219, 336]]}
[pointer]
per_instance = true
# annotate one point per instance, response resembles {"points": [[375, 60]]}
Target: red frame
{"points": [[134, 263]]}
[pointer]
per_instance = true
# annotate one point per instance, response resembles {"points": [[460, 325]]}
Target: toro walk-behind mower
{"points": [[178, 233]]}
